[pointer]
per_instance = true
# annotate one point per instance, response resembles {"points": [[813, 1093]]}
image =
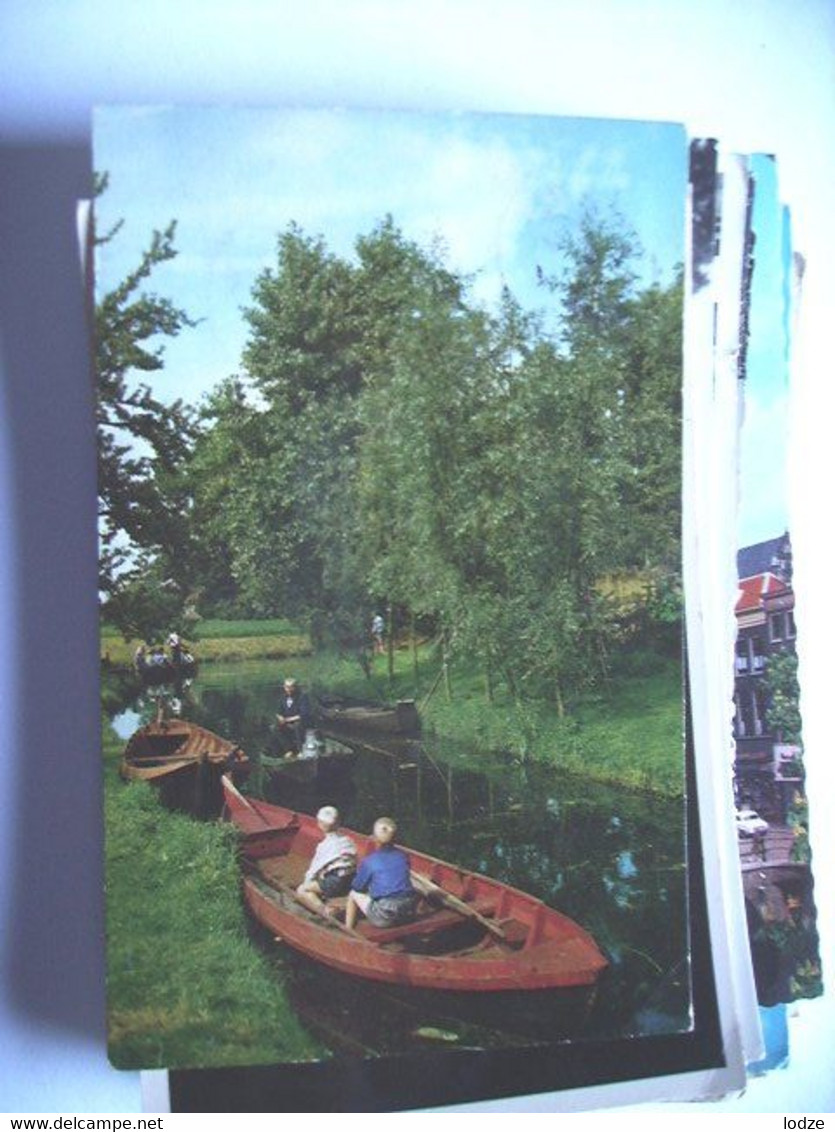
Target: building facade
{"points": [[768, 771]]}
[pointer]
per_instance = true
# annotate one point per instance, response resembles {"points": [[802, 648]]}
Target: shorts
{"points": [[336, 883], [389, 911]]}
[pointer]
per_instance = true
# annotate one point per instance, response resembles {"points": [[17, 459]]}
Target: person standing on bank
{"points": [[294, 717], [382, 890], [332, 867], [378, 628]]}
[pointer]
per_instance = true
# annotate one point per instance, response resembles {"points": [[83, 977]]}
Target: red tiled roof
{"points": [[753, 590]]}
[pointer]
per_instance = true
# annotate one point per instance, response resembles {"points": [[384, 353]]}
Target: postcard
{"points": [[403, 735], [772, 809]]}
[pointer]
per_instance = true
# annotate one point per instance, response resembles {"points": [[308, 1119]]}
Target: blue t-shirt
{"points": [[385, 872]]}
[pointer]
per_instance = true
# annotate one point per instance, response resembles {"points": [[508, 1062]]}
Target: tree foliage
{"points": [[413, 452], [783, 697], [142, 441], [391, 444]]}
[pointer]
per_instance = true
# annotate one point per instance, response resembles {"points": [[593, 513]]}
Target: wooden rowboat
{"points": [[169, 747], [471, 934], [394, 719]]}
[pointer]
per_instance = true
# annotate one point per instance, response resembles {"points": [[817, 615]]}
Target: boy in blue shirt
{"points": [[382, 889]]}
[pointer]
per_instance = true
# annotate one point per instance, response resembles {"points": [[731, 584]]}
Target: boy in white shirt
{"points": [[332, 867]]}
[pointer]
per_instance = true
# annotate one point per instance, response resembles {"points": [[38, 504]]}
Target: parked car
{"points": [[749, 823]]}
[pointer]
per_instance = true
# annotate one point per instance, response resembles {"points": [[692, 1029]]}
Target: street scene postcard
{"points": [[390, 514]]}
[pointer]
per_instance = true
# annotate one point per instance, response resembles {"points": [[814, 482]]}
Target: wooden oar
{"points": [[429, 888], [232, 788]]}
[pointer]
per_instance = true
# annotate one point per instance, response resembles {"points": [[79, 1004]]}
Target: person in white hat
{"points": [[332, 867]]}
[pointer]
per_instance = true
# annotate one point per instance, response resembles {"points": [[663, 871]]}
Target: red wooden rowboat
{"points": [[472, 934]]}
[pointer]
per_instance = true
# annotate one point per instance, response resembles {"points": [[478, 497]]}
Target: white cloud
{"points": [[491, 190]]}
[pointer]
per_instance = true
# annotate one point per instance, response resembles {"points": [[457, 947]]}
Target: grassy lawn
{"points": [[221, 630], [179, 956], [275, 639], [213, 627]]}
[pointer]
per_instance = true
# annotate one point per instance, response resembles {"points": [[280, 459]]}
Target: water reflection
{"points": [[610, 860]]}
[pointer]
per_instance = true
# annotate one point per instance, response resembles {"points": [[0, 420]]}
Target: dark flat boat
{"points": [[401, 718], [327, 757], [472, 934]]}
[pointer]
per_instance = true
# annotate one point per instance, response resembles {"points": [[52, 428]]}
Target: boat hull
{"points": [[503, 941], [354, 1016], [398, 719], [185, 760], [333, 759]]}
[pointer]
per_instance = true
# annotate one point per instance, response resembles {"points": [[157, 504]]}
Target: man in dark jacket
{"points": [[294, 717]]}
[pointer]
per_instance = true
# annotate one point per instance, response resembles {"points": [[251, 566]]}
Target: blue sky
{"points": [[763, 510], [497, 190]]}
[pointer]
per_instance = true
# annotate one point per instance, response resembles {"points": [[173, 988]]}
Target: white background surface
{"points": [[757, 74]]}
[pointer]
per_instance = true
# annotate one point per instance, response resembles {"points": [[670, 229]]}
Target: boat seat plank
{"points": [[255, 827], [435, 921]]}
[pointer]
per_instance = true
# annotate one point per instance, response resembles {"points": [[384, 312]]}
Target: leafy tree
{"points": [[596, 284], [146, 603], [231, 503], [142, 441], [622, 400], [302, 358], [650, 435], [408, 451], [783, 697], [302, 343], [324, 336]]}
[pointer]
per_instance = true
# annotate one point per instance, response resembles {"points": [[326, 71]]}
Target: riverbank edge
{"points": [[470, 730], [179, 944]]}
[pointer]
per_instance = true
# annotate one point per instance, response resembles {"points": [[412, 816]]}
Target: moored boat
{"points": [[317, 758], [401, 718], [188, 760], [472, 934]]}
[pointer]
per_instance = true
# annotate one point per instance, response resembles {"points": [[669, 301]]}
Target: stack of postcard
{"points": [[451, 751]]}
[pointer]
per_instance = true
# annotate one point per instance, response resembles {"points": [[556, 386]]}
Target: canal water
{"points": [[612, 860]]}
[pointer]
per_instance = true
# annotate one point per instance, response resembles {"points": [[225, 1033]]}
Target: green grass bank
{"points": [[629, 733], [179, 953]]}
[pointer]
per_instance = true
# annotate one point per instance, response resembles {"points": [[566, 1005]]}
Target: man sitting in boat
{"points": [[332, 867], [295, 718], [382, 889]]}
